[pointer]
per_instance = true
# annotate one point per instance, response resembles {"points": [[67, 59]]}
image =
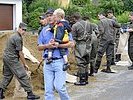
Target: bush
{"points": [[36, 8], [123, 18]]}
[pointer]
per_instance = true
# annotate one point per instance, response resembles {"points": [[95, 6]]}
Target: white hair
{"points": [[59, 12]]}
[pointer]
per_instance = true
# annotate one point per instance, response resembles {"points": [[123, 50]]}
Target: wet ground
{"points": [[106, 86]]}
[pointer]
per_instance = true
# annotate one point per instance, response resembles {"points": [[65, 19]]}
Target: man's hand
{"points": [[53, 44], [56, 44]]}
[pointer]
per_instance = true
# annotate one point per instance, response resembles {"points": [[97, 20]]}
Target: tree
{"points": [[116, 6], [128, 5], [36, 8]]}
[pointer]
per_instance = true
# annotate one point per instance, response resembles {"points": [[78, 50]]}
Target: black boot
{"points": [[117, 57], [1, 94], [91, 69], [130, 67], [82, 79], [113, 61], [97, 65], [107, 70], [86, 77], [32, 96]]}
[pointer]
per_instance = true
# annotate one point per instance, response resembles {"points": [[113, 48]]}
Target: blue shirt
{"points": [[44, 38]]}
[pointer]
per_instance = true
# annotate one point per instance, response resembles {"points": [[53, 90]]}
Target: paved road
{"points": [[103, 86]]}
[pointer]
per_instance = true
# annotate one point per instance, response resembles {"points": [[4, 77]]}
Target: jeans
{"points": [[54, 78]]}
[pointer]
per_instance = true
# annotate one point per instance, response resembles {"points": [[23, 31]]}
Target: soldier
{"points": [[12, 66], [106, 43], [115, 57], [81, 32], [130, 40], [94, 45]]}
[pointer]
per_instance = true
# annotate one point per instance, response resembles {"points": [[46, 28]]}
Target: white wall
{"points": [[17, 11]]}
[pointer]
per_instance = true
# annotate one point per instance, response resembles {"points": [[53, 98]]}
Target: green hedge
{"points": [[85, 7]]}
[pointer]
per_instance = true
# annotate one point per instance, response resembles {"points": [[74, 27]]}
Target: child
{"points": [[61, 35]]}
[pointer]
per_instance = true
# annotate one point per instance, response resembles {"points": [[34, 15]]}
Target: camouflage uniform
{"points": [[12, 65], [106, 43], [116, 57], [94, 45], [83, 47]]}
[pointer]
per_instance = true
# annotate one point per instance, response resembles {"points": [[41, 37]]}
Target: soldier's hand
{"points": [[130, 30]]}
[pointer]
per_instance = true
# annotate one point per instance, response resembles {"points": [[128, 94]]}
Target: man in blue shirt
{"points": [[54, 76]]}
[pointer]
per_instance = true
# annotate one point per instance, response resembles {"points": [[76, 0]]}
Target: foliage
{"points": [[115, 5], [36, 8], [33, 18], [123, 18], [24, 12], [80, 2], [128, 5], [89, 10], [71, 9], [32, 9]]}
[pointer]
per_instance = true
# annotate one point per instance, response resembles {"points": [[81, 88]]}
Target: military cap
{"points": [[23, 25], [50, 11], [43, 16]]}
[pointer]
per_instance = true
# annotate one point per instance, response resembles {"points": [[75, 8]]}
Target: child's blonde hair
{"points": [[59, 12]]}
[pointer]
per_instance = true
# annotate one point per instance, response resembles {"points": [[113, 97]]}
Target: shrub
{"points": [[123, 18]]}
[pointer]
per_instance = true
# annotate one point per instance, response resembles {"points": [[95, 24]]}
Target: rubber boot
{"points": [[97, 66], [1, 94], [108, 70], [86, 77], [91, 69], [130, 67], [117, 57], [32, 96], [113, 61], [82, 79]]}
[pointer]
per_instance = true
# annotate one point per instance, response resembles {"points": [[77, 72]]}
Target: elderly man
{"points": [[12, 66]]}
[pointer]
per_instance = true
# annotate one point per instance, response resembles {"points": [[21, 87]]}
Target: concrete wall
{"points": [[17, 11]]}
